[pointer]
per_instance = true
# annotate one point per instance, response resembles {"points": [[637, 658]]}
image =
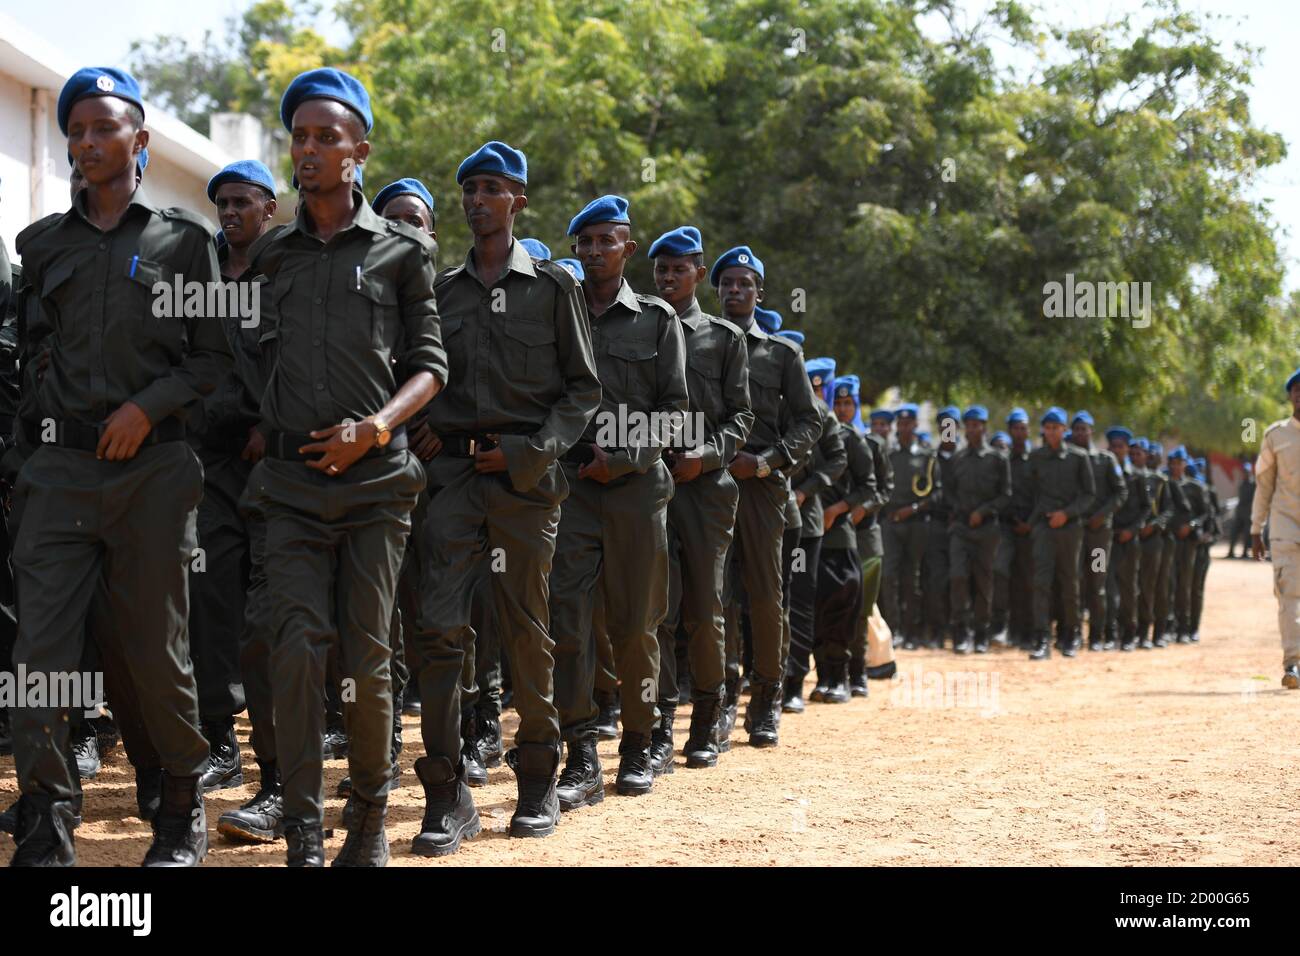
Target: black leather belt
{"points": [[465, 446], [285, 445], [84, 436]]}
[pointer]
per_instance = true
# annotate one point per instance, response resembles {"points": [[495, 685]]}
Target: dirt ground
{"points": [[1178, 756]]}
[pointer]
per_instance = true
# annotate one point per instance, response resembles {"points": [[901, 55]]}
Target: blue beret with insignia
{"points": [[499, 159], [1018, 415], [1000, 437], [244, 171], [97, 81], [604, 209], [1081, 416], [682, 241], [977, 413], [326, 83], [1053, 416], [794, 335], [949, 411], [907, 410], [1295, 377], [403, 187], [1177, 453], [1141, 443], [536, 248], [1155, 448], [1119, 431], [820, 370], [881, 414], [847, 386], [738, 256], [769, 320], [574, 267]]}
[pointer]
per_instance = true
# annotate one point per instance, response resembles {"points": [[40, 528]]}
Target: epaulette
{"points": [[419, 236], [647, 299], [447, 273], [718, 320], [1277, 424], [182, 214], [557, 272], [35, 229], [788, 343]]}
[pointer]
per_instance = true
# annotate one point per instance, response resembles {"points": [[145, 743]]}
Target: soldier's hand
{"points": [[490, 460], [1124, 536], [858, 515], [1057, 519], [976, 519], [800, 498], [598, 468], [1147, 532], [1184, 531], [339, 448], [1023, 528], [832, 513], [687, 466], [1257, 547], [124, 431], [1096, 521], [424, 443], [744, 465], [255, 448]]}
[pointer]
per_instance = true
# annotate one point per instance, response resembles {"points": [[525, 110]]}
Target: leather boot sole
{"points": [[223, 782], [240, 832], [626, 789], [588, 800], [762, 740], [528, 832], [701, 759], [471, 828]]}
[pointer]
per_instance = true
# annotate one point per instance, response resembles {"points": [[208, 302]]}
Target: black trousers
{"points": [[803, 604], [972, 553], [839, 608]]}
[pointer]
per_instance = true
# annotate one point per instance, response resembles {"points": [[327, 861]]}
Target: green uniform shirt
{"points": [[1135, 512], [856, 486], [979, 481], [1160, 503], [526, 372], [817, 471], [1108, 480], [233, 407], [641, 363], [1060, 480], [884, 478], [1197, 509], [1021, 504], [940, 505], [95, 295], [786, 420], [917, 480], [344, 316], [717, 380]]}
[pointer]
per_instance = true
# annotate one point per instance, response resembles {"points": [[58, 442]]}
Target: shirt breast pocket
{"points": [[635, 364], [55, 290], [151, 307], [380, 293], [705, 368], [765, 388], [530, 351]]}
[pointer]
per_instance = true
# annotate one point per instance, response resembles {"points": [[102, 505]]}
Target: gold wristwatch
{"points": [[383, 434]]}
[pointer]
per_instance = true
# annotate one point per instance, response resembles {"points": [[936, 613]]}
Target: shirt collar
{"points": [[627, 297], [363, 217], [518, 260], [693, 316], [138, 198]]}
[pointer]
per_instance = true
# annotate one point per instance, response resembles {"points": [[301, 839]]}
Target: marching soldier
{"points": [[1017, 534], [1111, 492], [917, 485], [702, 512], [1188, 527], [1205, 540], [871, 548], [937, 578], [1152, 539], [1126, 554]]}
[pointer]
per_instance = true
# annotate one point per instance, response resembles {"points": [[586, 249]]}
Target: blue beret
{"points": [[847, 386], [1155, 448], [923, 436], [1192, 470], [1119, 431], [403, 187], [739, 256], [1247, 467], [976, 413], [97, 81], [948, 411], [1295, 377], [244, 171], [604, 209], [682, 241], [820, 370], [1017, 415], [878, 414], [574, 267], [1054, 416], [1081, 416], [1141, 443], [907, 408], [768, 320], [326, 83], [1177, 453], [499, 159], [794, 335], [1001, 436], [536, 248], [1201, 463]]}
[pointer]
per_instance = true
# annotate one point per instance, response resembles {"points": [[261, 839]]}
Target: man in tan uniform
{"points": [[1277, 501]]}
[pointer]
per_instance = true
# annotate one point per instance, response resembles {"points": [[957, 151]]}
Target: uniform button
{"points": [[103, 246], [320, 386], [317, 300], [316, 342], [324, 255]]}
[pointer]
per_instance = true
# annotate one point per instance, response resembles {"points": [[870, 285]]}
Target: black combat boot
{"points": [[727, 716], [661, 740], [1096, 641], [837, 688], [1070, 644], [963, 643], [818, 694], [43, 831], [224, 769], [261, 819], [634, 774], [701, 749], [538, 808], [1144, 637], [1042, 649], [336, 741], [792, 698], [580, 782], [367, 841], [858, 677], [306, 845], [85, 751], [411, 699], [449, 812], [609, 712], [982, 640], [475, 770], [760, 716], [180, 830], [488, 730], [1129, 641], [6, 734], [148, 792]]}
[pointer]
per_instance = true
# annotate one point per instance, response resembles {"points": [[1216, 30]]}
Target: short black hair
{"points": [[135, 115]]}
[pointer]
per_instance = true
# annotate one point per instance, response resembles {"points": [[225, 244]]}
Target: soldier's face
{"points": [[1176, 467], [974, 432], [739, 291], [1119, 448], [490, 203], [676, 278], [603, 248], [1053, 433], [1019, 432], [881, 427], [327, 146], [844, 409], [1081, 434], [906, 426], [102, 139], [410, 210], [243, 211]]}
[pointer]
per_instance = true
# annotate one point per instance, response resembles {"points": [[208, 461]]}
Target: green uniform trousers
{"points": [[133, 525], [757, 553], [1056, 560], [334, 548], [1126, 570], [972, 553], [871, 550], [1095, 562], [900, 599]]}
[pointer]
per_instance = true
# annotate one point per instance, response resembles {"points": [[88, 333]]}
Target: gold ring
{"points": [[333, 469]]}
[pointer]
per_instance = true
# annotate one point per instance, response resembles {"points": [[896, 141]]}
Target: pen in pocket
{"points": [[135, 261], [358, 278]]}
